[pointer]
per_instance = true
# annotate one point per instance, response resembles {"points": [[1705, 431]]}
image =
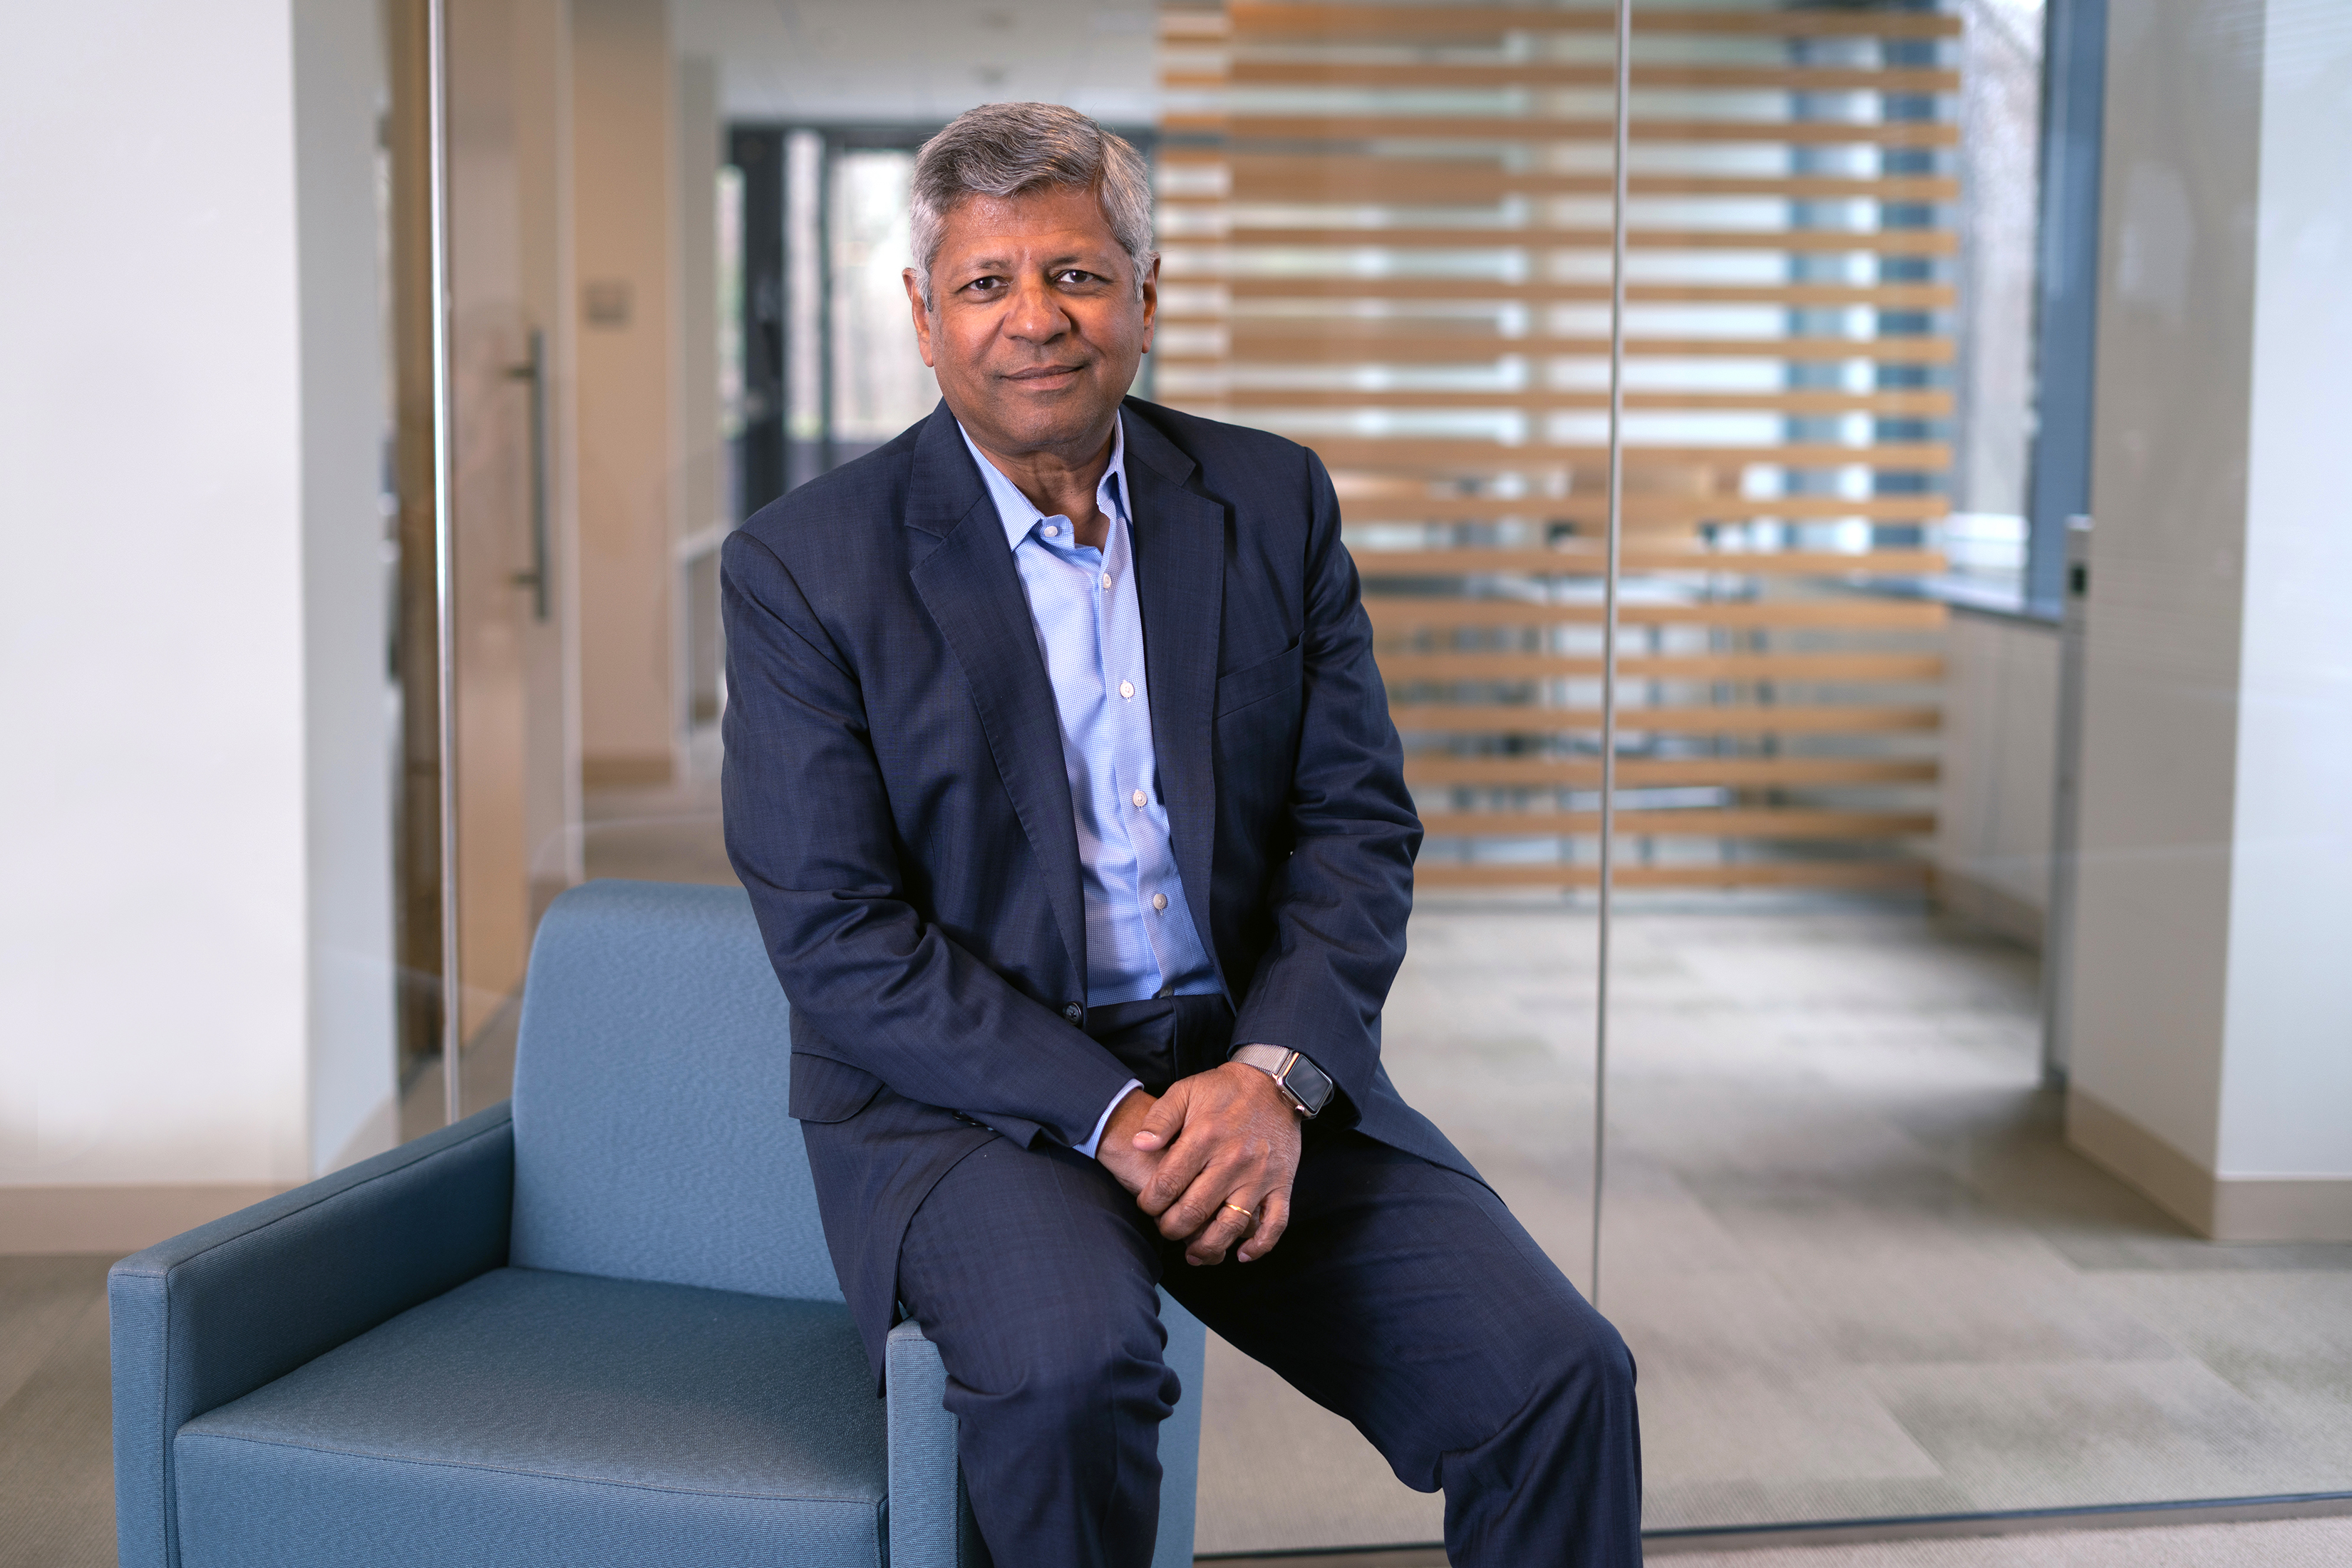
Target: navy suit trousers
{"points": [[1404, 1297]]}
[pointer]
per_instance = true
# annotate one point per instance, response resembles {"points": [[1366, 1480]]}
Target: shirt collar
{"points": [[1019, 514]]}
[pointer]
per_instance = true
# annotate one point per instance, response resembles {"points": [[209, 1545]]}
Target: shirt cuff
{"points": [[1087, 1148]]}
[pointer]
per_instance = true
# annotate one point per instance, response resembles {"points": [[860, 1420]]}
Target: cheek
{"points": [[959, 343], [1116, 327]]}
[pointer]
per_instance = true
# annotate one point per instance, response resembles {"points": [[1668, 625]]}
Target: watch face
{"points": [[1309, 1083]]}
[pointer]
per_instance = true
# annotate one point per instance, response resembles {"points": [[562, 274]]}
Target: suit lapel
{"points": [[1178, 538], [972, 591]]}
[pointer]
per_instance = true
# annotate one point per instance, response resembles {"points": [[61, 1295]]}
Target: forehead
{"points": [[1058, 218]]}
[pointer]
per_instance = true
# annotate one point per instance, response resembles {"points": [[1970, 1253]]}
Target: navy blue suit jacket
{"points": [[897, 807]]}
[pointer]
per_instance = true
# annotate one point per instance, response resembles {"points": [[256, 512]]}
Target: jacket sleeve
{"points": [[810, 833], [1341, 900]]}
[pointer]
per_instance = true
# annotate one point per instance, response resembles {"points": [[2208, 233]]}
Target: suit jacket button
{"points": [[1074, 1012]]}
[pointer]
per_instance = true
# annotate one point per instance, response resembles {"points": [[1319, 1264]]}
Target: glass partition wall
{"points": [[1391, 235], [1877, 1255]]}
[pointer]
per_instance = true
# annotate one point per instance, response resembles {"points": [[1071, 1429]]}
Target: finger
{"points": [[1201, 1203], [1164, 1121], [1231, 1222], [1173, 1181], [1273, 1219]]}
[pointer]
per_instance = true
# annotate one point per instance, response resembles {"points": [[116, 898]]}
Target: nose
{"points": [[1035, 316]]}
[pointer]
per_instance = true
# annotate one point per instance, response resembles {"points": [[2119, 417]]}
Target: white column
{"points": [[195, 943], [2212, 1020]]}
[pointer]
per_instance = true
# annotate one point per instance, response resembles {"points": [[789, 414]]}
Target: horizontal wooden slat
{"points": [[1880, 648], [1644, 132], [1702, 823], [1438, 876], [1884, 296], [1358, 235], [1641, 510], [1430, 74], [1927, 404], [1591, 561], [1188, 24], [1511, 719], [1675, 772], [1467, 347], [1376, 452], [1729, 668], [1399, 615], [1348, 177], [1253, 19]]}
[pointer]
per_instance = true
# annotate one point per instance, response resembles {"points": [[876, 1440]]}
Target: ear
{"points": [[1150, 299], [923, 317]]}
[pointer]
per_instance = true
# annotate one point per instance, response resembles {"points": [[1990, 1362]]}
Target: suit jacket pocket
{"points": [[827, 1090], [1257, 682]]}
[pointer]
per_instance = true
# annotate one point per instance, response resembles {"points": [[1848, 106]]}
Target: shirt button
{"points": [[1074, 1012], [1137, 798], [1159, 901], [1126, 688], [1106, 579], [1050, 531]]}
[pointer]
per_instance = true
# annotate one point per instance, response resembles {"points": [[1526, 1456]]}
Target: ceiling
{"points": [[868, 62]]}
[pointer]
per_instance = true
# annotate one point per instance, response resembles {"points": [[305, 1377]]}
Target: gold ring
{"points": [[1246, 1214]]}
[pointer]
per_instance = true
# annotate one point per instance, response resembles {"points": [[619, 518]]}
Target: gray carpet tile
{"points": [[41, 1299], [56, 1478], [2280, 1543], [1302, 1479], [1862, 1272]]}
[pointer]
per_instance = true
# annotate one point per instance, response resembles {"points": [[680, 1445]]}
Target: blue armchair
{"points": [[595, 1325]]}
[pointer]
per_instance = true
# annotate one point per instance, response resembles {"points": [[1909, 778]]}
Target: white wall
{"points": [[2211, 1025], [2162, 622], [2000, 732], [2286, 1088], [195, 949]]}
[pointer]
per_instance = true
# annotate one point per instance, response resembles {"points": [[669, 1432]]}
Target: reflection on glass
{"points": [[730, 306], [805, 381], [880, 384]]}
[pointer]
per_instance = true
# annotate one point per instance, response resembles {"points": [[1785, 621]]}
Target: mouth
{"points": [[1045, 375]]}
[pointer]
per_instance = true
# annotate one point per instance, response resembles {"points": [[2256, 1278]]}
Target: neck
{"points": [[1061, 480]]}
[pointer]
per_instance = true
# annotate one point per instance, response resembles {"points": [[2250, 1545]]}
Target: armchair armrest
{"points": [[930, 1517], [211, 1315]]}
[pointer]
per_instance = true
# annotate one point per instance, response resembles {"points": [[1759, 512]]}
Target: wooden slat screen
{"points": [[1386, 229]]}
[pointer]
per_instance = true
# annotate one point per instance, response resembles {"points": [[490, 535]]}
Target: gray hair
{"points": [[1005, 150]]}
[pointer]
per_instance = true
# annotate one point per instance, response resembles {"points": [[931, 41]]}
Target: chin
{"points": [[1068, 416]]}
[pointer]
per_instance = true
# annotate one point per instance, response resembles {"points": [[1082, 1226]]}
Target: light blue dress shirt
{"points": [[1141, 939]]}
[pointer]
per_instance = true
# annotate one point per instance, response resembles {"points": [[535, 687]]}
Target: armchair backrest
{"points": [[650, 1132]]}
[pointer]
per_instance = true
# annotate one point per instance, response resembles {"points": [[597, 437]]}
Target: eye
{"points": [[1077, 275], [987, 285]]}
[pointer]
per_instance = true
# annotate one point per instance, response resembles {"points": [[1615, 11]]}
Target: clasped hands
{"points": [[1211, 1160]]}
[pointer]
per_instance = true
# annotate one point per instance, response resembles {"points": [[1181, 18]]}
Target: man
{"points": [[1064, 785]]}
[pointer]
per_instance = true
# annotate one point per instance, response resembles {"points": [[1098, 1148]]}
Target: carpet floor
{"points": [[1861, 1272]]}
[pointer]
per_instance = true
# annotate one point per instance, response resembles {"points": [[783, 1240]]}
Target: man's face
{"points": [[1039, 326]]}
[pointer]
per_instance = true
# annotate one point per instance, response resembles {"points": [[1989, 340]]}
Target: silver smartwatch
{"points": [[1308, 1088]]}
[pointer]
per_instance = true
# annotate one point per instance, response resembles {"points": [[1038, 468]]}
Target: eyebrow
{"points": [[1004, 263]]}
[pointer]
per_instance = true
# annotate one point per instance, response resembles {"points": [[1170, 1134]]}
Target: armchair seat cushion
{"points": [[529, 1418]]}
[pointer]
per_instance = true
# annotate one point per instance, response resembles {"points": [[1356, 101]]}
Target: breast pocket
{"points": [[1257, 682]]}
